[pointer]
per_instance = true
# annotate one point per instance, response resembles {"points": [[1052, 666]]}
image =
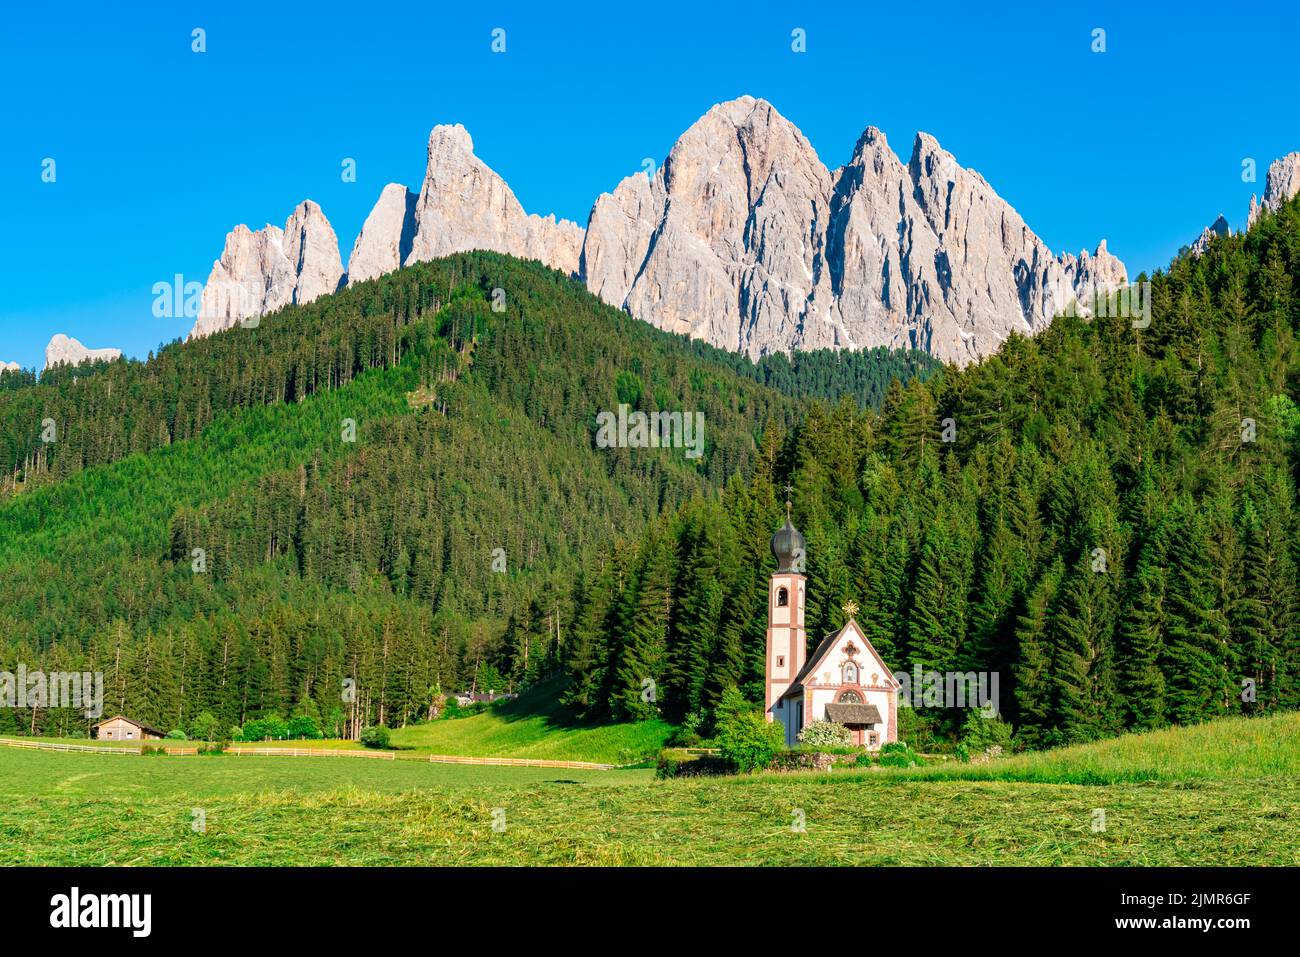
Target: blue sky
{"points": [[159, 151]]}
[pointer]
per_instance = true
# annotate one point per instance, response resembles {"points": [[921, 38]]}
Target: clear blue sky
{"points": [[160, 151]]}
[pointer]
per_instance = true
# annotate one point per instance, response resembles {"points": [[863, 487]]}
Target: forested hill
{"points": [[381, 485], [1113, 530]]}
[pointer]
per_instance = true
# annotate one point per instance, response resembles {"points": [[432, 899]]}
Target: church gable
{"points": [[846, 658]]}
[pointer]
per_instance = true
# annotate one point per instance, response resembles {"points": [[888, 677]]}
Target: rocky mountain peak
{"points": [[1280, 186], [1218, 228], [267, 269], [65, 350], [742, 237], [386, 236], [746, 239], [464, 205], [450, 137]]}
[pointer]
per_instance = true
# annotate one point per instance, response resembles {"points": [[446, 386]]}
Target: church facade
{"points": [[844, 679]]}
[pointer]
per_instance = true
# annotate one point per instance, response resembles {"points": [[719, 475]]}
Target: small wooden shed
{"points": [[122, 728]]}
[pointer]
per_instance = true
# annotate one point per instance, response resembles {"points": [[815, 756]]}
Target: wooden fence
{"points": [[520, 762], [93, 748], [314, 753]]}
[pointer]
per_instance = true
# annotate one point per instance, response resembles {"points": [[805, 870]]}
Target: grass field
{"points": [[535, 725], [1227, 793]]}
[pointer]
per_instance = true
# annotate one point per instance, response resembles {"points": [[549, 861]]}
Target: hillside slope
{"points": [[373, 486], [1104, 516]]}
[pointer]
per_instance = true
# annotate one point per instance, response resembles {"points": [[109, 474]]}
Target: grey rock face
{"points": [[464, 205], [385, 240], [9, 367], [313, 253], [66, 350], [264, 270], [1218, 228], [746, 239], [1281, 185], [743, 237]]}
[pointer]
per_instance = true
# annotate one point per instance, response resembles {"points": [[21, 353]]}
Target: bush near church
{"points": [[896, 754], [376, 737], [748, 741], [826, 734]]}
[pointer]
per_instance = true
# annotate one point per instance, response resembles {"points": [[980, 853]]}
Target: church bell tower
{"points": [[787, 642]]}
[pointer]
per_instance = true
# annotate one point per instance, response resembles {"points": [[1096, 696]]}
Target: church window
{"points": [[873, 739], [850, 673], [850, 697], [782, 597]]}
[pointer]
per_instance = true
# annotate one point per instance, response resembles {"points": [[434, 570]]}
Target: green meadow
{"points": [[1215, 794], [536, 725]]}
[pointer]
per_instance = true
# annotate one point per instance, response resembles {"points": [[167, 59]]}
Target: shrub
{"points": [[688, 734], [896, 754], [304, 726], [216, 747], [748, 741], [176, 734], [863, 760], [982, 735], [666, 766], [334, 723], [674, 765], [826, 733], [271, 726], [204, 726], [918, 728], [376, 737], [730, 705], [153, 750]]}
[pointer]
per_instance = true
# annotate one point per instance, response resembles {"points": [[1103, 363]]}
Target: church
{"points": [[844, 679]]}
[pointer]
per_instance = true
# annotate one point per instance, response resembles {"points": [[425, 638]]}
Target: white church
{"points": [[843, 680]]}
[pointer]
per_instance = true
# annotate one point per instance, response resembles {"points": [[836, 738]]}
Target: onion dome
{"points": [[789, 549]]}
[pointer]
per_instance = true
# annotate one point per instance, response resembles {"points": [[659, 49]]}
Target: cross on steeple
{"points": [[789, 493], [850, 608]]}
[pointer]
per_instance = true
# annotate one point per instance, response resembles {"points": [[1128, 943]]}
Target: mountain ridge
{"points": [[742, 237], [724, 258]]}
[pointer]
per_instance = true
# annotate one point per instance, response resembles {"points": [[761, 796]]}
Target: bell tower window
{"points": [[782, 597]]}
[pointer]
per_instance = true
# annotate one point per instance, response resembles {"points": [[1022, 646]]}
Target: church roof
{"points": [[814, 660], [847, 713], [823, 649]]}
